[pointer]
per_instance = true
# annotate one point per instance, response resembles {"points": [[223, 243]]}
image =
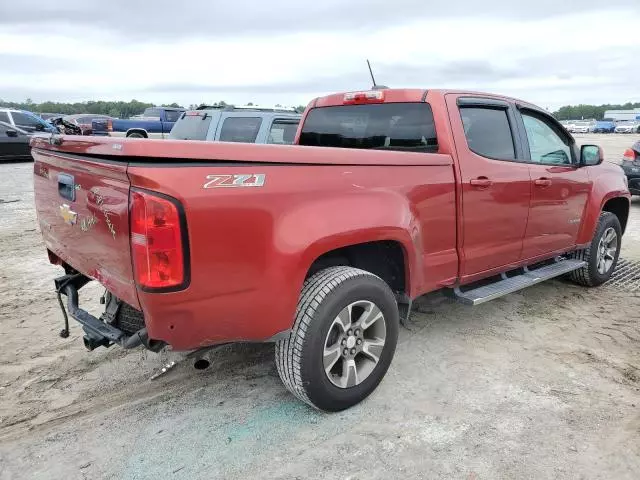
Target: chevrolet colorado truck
{"points": [[321, 247]]}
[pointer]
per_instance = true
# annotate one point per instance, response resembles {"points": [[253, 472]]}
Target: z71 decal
{"points": [[224, 181]]}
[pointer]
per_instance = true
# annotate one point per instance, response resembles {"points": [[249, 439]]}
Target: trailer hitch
{"points": [[97, 332]]}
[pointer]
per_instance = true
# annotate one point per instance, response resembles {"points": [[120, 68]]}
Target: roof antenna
{"points": [[375, 86]]}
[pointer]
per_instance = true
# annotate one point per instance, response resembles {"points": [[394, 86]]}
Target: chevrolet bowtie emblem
{"points": [[68, 215]]}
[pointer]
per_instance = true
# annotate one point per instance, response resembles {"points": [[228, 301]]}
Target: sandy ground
{"points": [[539, 384]]}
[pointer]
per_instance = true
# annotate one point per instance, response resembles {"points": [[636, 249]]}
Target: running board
{"points": [[507, 285]]}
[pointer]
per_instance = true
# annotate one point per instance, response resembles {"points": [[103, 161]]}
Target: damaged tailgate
{"points": [[82, 203]]}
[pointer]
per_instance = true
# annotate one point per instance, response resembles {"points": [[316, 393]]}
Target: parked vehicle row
{"points": [[322, 246], [601, 126]]}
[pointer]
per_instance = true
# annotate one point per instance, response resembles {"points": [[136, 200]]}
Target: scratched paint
{"points": [[100, 203], [87, 223]]}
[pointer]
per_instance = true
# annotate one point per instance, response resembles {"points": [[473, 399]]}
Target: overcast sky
{"points": [[550, 52]]}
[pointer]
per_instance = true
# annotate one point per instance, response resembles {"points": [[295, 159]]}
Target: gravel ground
{"points": [[544, 383]]}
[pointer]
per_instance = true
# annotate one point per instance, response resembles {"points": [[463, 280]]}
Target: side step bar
{"points": [[507, 285]]}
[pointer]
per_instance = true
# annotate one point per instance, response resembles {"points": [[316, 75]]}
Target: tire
{"points": [[591, 275], [136, 135], [328, 296]]}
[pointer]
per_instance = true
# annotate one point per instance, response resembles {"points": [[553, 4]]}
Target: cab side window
{"points": [[546, 144], [488, 132]]}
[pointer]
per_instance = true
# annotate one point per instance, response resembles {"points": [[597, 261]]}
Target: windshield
{"points": [[387, 126]]}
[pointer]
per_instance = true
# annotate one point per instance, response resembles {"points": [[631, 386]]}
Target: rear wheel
{"points": [[343, 339], [602, 254], [136, 135]]}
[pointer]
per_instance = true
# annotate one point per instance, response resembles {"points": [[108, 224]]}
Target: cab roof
{"points": [[410, 95]]}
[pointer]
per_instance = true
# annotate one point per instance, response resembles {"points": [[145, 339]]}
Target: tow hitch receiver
{"points": [[97, 332]]}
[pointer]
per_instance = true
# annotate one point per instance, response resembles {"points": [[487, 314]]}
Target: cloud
{"points": [[34, 63], [165, 20], [289, 52]]}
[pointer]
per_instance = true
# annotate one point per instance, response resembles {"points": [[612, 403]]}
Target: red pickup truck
{"points": [[320, 247]]}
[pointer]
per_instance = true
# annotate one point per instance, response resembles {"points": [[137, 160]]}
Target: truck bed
{"points": [[245, 246]]}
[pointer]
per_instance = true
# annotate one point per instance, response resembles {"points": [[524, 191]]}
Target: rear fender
{"points": [[314, 228]]}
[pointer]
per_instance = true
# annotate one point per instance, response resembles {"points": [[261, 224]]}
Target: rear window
{"points": [[192, 127], [4, 117], [240, 129], [385, 126], [283, 132]]}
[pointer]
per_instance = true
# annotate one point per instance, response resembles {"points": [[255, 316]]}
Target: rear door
{"points": [[559, 188], [82, 205], [495, 183], [14, 145]]}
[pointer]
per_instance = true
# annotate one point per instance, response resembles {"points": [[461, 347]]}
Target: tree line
{"points": [[577, 112], [113, 109]]}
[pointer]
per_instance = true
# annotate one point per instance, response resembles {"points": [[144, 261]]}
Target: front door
{"points": [[495, 183], [559, 188]]}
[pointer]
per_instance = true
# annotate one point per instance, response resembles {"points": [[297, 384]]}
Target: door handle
{"points": [[542, 182], [482, 182]]}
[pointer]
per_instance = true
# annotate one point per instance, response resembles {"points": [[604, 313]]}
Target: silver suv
{"points": [[238, 124]]}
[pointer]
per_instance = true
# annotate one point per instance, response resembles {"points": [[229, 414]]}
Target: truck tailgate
{"points": [[83, 212]]}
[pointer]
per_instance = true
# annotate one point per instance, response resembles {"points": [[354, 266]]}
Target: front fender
{"points": [[608, 183]]}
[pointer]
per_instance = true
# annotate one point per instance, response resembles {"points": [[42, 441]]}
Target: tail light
{"points": [[109, 125], [158, 238], [629, 155]]}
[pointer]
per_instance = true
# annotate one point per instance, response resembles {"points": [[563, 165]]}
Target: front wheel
{"points": [[343, 339], [602, 254]]}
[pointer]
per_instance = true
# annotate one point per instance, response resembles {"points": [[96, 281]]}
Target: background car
{"points": [[84, 121], [14, 143], [631, 166], [27, 121], [628, 127], [581, 127], [604, 126]]}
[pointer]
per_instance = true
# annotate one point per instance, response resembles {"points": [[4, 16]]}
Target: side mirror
{"points": [[12, 133], [591, 155], [39, 127]]}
